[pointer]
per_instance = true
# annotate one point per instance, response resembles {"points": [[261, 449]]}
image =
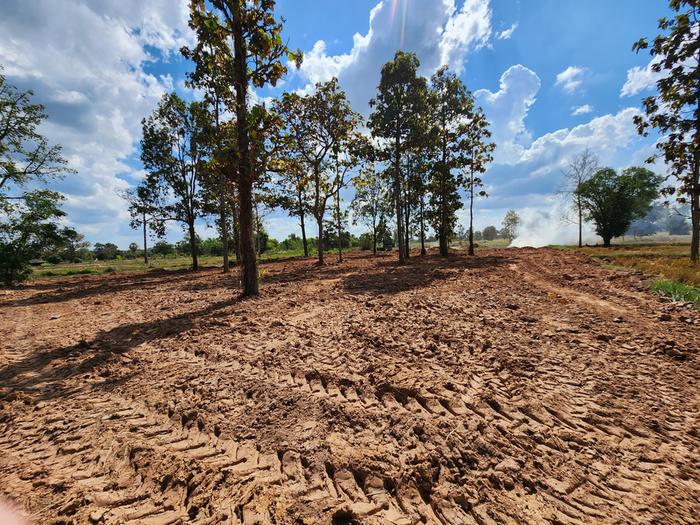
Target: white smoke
{"points": [[543, 227]]}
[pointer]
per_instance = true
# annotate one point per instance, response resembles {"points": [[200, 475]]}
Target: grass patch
{"points": [[676, 291], [668, 261]]}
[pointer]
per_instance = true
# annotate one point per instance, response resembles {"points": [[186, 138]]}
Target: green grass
{"points": [[676, 291], [179, 262]]}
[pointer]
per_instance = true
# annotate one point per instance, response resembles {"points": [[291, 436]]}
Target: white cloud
{"points": [[507, 108], [641, 79], [437, 32], [507, 33], [87, 61], [571, 78], [581, 110]]}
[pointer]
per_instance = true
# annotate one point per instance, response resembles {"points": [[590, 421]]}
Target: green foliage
{"points": [[511, 221], [676, 291], [675, 111], [163, 248], [25, 155], [371, 204], [399, 120], [29, 228], [105, 252], [451, 108], [490, 233], [613, 201]]}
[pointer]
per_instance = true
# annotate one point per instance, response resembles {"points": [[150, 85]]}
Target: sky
{"points": [[553, 76]]}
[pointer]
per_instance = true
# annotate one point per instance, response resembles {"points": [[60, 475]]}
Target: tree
{"points": [[105, 252], [29, 228], [173, 150], [211, 60], [133, 248], [397, 119], [490, 233], [613, 201], [675, 111], [316, 126], [371, 203], [479, 153], [25, 154], [252, 36], [511, 221], [478, 235], [451, 107], [293, 193], [579, 170], [144, 206]]}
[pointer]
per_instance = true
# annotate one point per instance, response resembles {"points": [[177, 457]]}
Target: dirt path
{"points": [[522, 386]]}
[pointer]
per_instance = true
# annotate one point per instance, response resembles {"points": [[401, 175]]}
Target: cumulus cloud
{"points": [[506, 110], [436, 31], [87, 62], [571, 78], [507, 33], [641, 79], [581, 110]]}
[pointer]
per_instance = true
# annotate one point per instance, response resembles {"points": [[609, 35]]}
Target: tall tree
{"points": [[675, 111], [479, 153], [613, 201], [293, 193], [511, 221], [371, 203], [249, 30], [211, 61], [173, 151], [398, 119], [451, 107], [579, 170], [317, 125], [144, 209]]}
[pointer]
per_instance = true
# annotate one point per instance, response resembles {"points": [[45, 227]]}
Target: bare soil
{"points": [[520, 386]]}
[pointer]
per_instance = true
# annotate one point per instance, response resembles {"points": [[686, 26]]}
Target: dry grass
{"points": [[670, 261]]}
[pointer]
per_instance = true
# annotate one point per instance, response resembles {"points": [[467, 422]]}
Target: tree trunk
{"points": [[224, 229], [340, 227], [374, 240], [193, 246], [606, 241], [397, 197], [695, 212], [422, 228], [407, 215], [245, 174], [145, 242], [303, 234], [471, 215], [319, 221], [580, 224], [236, 237]]}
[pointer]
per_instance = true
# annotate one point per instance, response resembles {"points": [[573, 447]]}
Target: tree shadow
{"points": [[44, 374], [390, 277], [66, 290]]}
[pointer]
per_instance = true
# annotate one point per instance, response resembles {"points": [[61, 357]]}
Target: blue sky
{"points": [[554, 77]]}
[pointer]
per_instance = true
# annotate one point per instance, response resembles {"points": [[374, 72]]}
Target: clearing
{"points": [[521, 386]]}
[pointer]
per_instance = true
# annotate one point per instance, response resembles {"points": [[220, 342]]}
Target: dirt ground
{"points": [[520, 386]]}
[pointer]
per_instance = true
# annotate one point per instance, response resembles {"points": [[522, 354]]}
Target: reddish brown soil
{"points": [[521, 386]]}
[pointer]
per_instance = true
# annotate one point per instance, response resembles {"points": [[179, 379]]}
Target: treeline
{"points": [[230, 159]]}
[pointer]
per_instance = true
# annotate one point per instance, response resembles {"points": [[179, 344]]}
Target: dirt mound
{"points": [[521, 386]]}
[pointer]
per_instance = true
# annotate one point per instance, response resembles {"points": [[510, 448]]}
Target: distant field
{"points": [[48, 271]]}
